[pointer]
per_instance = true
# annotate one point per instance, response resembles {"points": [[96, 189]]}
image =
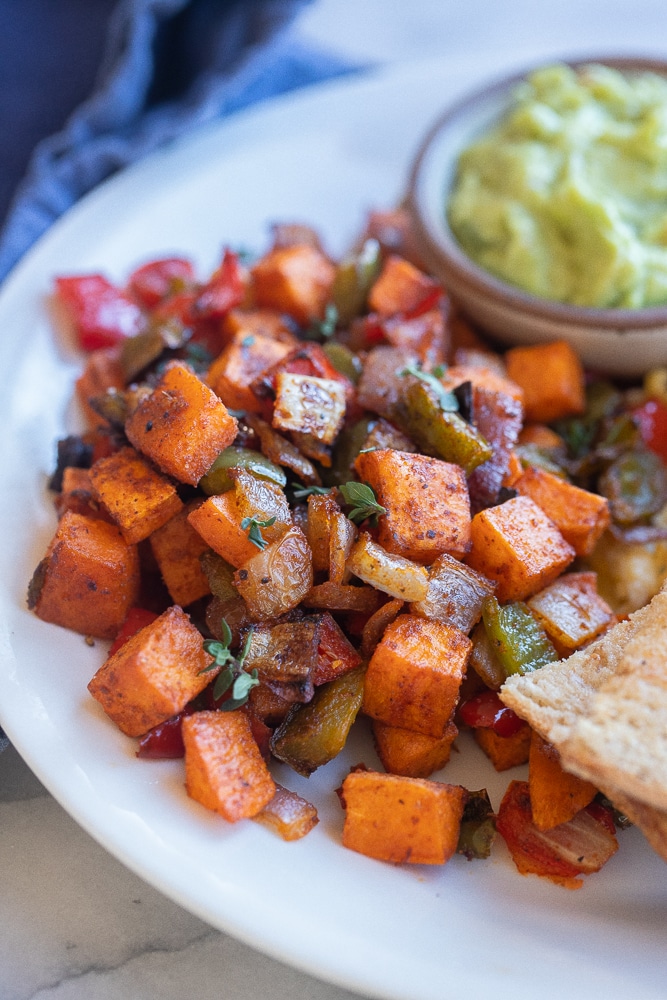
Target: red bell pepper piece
{"points": [[486, 711], [578, 847], [153, 282], [165, 741], [102, 314], [651, 419], [137, 618], [224, 291]]}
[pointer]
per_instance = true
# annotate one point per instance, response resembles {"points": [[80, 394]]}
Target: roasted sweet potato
{"points": [[400, 287], [411, 754], [415, 673], [555, 796], [245, 357], [403, 820], [224, 769], [137, 497], [296, 280], [504, 752], [580, 516], [426, 501], [177, 548], [88, 579], [218, 522], [552, 379], [516, 545], [182, 425], [154, 674]]}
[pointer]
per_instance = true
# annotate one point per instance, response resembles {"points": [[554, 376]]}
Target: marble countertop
{"points": [[77, 925]]}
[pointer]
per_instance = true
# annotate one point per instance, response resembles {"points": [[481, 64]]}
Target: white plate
{"points": [[468, 929]]}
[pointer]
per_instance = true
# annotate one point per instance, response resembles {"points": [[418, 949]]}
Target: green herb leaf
{"points": [[446, 400], [223, 682], [363, 501], [232, 675], [252, 525], [324, 329], [219, 649], [243, 685], [307, 491]]}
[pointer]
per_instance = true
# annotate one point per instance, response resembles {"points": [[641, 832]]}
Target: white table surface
{"points": [[77, 925]]}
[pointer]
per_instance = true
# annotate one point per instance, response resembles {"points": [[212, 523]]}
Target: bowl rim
{"points": [[476, 279]]}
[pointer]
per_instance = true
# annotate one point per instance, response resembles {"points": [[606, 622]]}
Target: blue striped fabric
{"points": [[169, 66]]}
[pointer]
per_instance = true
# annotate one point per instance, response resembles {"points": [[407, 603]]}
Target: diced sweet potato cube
{"points": [[88, 579], [309, 405], [296, 280], [138, 497], [218, 522], [504, 752], [514, 470], [154, 674], [277, 579], [483, 377], [258, 322], [403, 820], [288, 814], [411, 754], [414, 676], [224, 769], [245, 357], [395, 575], [182, 425], [552, 379], [519, 547], [177, 547], [77, 494], [540, 436], [427, 503], [555, 796], [426, 334], [571, 611], [103, 371], [580, 516], [400, 287]]}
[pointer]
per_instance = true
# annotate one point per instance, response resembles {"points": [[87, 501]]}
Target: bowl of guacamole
{"points": [[541, 203]]}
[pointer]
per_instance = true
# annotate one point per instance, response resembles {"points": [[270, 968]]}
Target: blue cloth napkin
{"points": [[170, 65]]}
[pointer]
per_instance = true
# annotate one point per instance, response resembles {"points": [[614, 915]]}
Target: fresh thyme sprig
{"points": [[323, 329], [232, 674], [303, 492], [363, 501], [253, 526]]}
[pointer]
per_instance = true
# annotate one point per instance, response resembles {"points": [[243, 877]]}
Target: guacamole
{"points": [[567, 196]]}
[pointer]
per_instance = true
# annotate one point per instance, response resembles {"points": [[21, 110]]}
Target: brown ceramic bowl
{"points": [[620, 342]]}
